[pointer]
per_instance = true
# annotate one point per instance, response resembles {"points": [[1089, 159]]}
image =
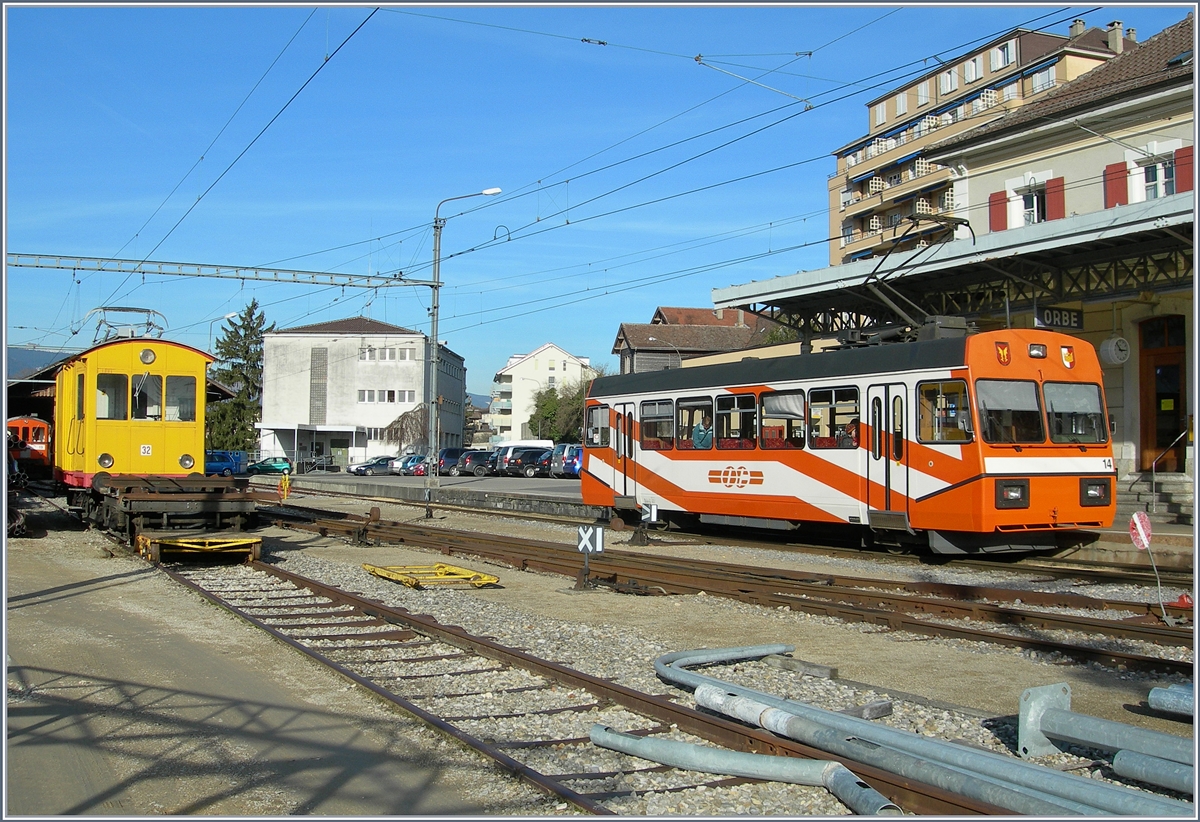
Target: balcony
{"points": [[904, 146], [501, 406], [892, 194], [879, 240]]}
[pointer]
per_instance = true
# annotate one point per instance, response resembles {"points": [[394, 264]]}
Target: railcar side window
{"points": [[943, 412], [181, 399], [79, 397], [112, 393], [658, 420], [897, 428], [693, 423], [737, 421], [783, 420], [597, 426], [1009, 411], [147, 397], [1076, 412], [830, 412]]}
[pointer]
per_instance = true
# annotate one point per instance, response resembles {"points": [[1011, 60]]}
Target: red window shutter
{"points": [[1183, 169], [998, 211], [1056, 199], [1116, 185]]}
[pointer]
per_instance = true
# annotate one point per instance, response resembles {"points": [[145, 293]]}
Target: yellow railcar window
{"points": [[79, 397], [112, 393], [147, 397], [181, 399]]}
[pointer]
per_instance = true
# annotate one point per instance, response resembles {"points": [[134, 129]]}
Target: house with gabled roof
{"points": [[517, 384], [333, 388]]}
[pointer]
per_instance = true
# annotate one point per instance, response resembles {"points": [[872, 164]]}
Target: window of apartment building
{"points": [[550, 365], [1012, 91], [894, 178], [950, 117], [1033, 205], [923, 93], [973, 69], [1004, 55], [948, 81], [901, 104], [846, 195], [894, 218], [1043, 79], [880, 114], [1158, 174], [366, 354], [550, 382], [375, 433], [366, 396], [848, 232]]}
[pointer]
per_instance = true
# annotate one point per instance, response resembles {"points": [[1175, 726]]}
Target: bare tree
{"points": [[410, 428]]}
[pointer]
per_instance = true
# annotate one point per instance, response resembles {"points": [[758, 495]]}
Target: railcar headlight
{"points": [[147, 356], [1095, 491], [1012, 493], [186, 461], [1037, 351], [105, 460]]}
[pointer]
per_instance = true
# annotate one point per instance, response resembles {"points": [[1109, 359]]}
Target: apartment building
{"points": [[886, 177], [517, 384], [333, 388]]}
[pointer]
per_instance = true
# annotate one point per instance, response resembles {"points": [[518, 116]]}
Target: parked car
{"points": [[404, 465], [271, 465], [447, 459], [492, 463], [572, 462], [524, 462], [504, 452], [473, 462], [419, 469], [375, 465], [543, 466], [221, 462], [556, 461]]}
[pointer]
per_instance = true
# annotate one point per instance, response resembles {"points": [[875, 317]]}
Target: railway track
{"points": [[529, 715], [1011, 616], [1051, 566]]}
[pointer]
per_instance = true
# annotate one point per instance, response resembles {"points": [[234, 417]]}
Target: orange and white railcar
{"points": [[997, 441]]}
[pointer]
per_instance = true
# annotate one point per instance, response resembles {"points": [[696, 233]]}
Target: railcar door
{"points": [[887, 457], [625, 480]]}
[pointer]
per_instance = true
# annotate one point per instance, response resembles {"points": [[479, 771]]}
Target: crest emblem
{"points": [[1068, 356], [1003, 353]]}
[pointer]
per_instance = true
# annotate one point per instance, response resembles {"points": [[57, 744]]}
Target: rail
{"points": [[1154, 471]]}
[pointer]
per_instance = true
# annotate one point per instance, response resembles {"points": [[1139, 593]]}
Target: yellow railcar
{"points": [[130, 407]]}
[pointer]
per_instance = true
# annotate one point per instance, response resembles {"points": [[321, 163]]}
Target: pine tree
{"points": [[239, 351]]}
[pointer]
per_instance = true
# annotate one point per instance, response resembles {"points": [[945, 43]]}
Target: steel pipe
{"points": [[1155, 771], [1017, 774], [855, 794], [1045, 715], [1175, 699]]}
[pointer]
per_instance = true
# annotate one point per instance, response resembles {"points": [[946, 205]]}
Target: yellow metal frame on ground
{"points": [[152, 548], [418, 576]]}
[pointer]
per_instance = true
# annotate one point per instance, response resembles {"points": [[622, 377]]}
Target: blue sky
{"points": [[634, 175]]}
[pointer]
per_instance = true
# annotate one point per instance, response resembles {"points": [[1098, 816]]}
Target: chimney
{"points": [[1131, 35], [741, 320], [720, 313], [1077, 28], [1116, 36]]}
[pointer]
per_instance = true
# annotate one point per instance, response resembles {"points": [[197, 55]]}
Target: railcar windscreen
{"points": [[147, 397], [181, 399], [1009, 411], [597, 426], [112, 392], [1076, 412]]}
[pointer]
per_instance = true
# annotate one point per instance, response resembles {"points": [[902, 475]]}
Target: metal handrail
{"points": [[1154, 471]]}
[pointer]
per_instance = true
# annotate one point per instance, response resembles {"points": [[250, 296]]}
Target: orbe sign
{"points": [[1066, 318]]}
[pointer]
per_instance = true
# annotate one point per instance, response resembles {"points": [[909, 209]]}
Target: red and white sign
{"points": [[1139, 530]]}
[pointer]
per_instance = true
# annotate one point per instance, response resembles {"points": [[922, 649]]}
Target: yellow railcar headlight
{"points": [[105, 460], [186, 461], [147, 356]]}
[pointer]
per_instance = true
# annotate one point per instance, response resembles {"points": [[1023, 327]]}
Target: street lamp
{"points": [[228, 316], [431, 476], [677, 354]]}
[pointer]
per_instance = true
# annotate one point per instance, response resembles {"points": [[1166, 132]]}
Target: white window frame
{"points": [[923, 93], [1044, 79], [948, 81], [1004, 55], [902, 103], [1011, 91], [1033, 205], [1160, 166], [880, 114], [973, 70]]}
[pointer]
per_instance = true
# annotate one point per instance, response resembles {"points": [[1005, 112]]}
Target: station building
{"points": [[1073, 210]]}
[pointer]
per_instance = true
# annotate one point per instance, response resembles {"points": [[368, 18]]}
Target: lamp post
{"points": [[431, 475], [228, 316], [677, 354]]}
